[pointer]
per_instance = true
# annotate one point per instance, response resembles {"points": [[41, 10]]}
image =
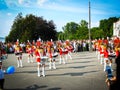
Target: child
{"points": [[109, 75]]}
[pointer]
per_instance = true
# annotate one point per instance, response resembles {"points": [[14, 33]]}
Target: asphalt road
{"points": [[84, 72]]}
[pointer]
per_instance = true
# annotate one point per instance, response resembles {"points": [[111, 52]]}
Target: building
{"points": [[116, 28]]}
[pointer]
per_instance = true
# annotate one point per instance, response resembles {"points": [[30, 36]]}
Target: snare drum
{"points": [[55, 55], [44, 58]]}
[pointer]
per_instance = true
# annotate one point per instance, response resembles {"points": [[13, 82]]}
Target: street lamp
{"points": [[89, 28]]}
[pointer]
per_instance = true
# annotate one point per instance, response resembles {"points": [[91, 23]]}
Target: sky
{"points": [[60, 11]]}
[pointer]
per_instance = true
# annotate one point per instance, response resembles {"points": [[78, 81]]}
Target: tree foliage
{"points": [[107, 26], [79, 31], [31, 28]]}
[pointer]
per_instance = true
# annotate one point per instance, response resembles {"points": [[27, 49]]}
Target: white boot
{"points": [[32, 59], [63, 61], [18, 63], [60, 60], [43, 71], [50, 64], [38, 69], [66, 56], [69, 56], [54, 67], [28, 60], [101, 60], [98, 56], [21, 63]]}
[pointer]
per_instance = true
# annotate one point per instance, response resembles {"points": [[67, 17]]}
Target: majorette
{"points": [[18, 52], [50, 53], [61, 53], [40, 62], [30, 52], [69, 48]]}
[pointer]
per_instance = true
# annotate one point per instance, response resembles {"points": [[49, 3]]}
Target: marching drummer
{"points": [[29, 50], [50, 52], [40, 63], [18, 53], [61, 53], [69, 49]]}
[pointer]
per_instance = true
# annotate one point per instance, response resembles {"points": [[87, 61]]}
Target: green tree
{"points": [[107, 26], [82, 31], [31, 28], [97, 33], [70, 30]]}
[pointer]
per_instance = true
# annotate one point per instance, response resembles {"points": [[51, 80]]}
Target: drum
{"points": [[44, 58], [17, 53], [55, 55]]}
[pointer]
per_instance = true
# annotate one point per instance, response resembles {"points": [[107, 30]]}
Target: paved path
{"points": [[84, 72]]}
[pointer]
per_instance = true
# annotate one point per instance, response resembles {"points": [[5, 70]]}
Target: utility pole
{"points": [[90, 49]]}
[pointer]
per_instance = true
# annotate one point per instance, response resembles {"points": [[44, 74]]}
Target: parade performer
{"points": [[18, 53], [106, 55], [30, 51], [61, 50], [69, 49], [101, 54], [65, 52], [96, 47], [50, 52], [40, 63]]}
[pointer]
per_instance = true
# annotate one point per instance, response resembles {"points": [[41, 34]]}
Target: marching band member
{"points": [[70, 49], [40, 63], [29, 50], [101, 54], [65, 52], [61, 52], [50, 52], [18, 53], [106, 55], [96, 47]]}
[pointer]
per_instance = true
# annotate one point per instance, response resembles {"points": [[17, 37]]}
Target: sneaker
{"points": [[38, 75], [49, 67], [43, 75], [54, 67]]}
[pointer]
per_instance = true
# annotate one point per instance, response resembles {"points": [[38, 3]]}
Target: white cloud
{"points": [[25, 3], [41, 2], [20, 1], [57, 7], [9, 14]]}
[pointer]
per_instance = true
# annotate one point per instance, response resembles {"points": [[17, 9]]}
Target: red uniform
{"points": [[60, 51], [116, 53], [38, 59], [106, 54]]}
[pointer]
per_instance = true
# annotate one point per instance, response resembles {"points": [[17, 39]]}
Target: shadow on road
{"points": [[32, 87], [73, 74]]}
